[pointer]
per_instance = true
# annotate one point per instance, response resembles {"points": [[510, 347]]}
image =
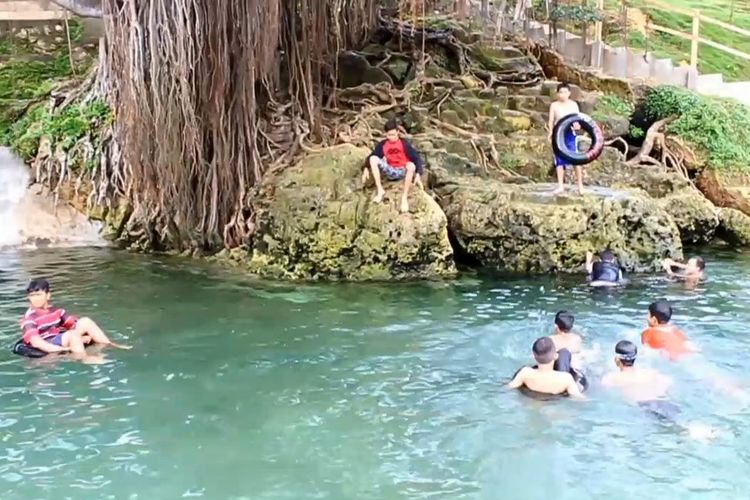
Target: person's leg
{"points": [[73, 341], [86, 326], [579, 178], [408, 179], [375, 170], [560, 170]]}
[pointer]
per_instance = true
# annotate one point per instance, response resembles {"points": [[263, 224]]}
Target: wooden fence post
{"points": [[694, 39]]}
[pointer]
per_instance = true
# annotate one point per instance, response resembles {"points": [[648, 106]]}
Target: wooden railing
{"points": [[694, 36]]}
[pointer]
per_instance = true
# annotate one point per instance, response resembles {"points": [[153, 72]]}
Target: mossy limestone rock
{"points": [[524, 228], [316, 222], [734, 227], [695, 216]]}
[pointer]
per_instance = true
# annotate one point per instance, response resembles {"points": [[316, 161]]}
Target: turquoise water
{"points": [[243, 389]]}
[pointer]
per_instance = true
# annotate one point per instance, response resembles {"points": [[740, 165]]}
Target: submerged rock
{"points": [[316, 222], [527, 229]]}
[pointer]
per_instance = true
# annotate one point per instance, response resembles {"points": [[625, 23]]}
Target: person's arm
{"points": [[573, 390], [413, 156], [576, 125], [551, 122], [38, 342], [518, 380], [378, 150], [32, 337], [67, 321], [589, 262]]}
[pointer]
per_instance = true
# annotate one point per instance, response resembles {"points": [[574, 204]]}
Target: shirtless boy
{"points": [[560, 108], [692, 270], [544, 378]]}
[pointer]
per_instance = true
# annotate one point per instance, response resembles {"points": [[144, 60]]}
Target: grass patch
{"points": [[710, 60], [28, 75], [612, 105], [63, 129], [716, 126]]}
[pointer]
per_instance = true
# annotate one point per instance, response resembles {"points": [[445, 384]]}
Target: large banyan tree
{"points": [[209, 94]]}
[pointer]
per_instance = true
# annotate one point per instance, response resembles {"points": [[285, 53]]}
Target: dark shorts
{"points": [[663, 410], [57, 339], [391, 173], [570, 143]]}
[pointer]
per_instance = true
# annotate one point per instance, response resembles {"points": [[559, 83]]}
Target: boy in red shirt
{"points": [[396, 159], [52, 329], [663, 336]]}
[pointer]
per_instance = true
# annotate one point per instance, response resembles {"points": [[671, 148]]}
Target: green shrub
{"points": [[718, 127]]}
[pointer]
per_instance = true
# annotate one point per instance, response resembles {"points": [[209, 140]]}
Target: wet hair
{"points": [[564, 321], [700, 262], [391, 124], [563, 85], [38, 285], [626, 352], [607, 256], [661, 310], [544, 350]]}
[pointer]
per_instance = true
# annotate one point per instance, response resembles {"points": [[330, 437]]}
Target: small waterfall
{"points": [[14, 177], [29, 218]]}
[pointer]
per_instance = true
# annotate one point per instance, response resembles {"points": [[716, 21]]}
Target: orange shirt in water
{"points": [[666, 337]]}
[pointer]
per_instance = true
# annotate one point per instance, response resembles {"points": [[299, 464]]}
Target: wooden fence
{"points": [[694, 37]]}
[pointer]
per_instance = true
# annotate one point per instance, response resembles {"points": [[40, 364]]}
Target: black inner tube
{"points": [[590, 127]]}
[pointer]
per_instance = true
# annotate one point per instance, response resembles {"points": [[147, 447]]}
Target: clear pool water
{"points": [[243, 389]]}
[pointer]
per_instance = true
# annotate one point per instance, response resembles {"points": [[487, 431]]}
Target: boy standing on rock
{"points": [[396, 159], [559, 108]]}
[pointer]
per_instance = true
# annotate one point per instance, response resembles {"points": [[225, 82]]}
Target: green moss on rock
{"points": [[316, 222]]}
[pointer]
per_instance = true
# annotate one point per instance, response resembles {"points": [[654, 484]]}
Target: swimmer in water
{"points": [[563, 336], [605, 270], [648, 388], [639, 385], [692, 271], [545, 378], [53, 330], [663, 336]]}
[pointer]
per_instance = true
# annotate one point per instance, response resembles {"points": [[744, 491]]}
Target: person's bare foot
{"points": [[120, 346], [96, 359], [559, 190], [378, 198], [580, 190], [365, 176], [404, 206]]}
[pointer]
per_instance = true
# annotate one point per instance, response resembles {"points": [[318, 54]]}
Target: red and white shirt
{"points": [[46, 323]]}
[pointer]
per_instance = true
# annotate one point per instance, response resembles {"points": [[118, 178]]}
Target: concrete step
{"points": [[709, 82]]}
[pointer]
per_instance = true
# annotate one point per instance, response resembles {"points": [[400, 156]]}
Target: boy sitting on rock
{"points": [[396, 159]]}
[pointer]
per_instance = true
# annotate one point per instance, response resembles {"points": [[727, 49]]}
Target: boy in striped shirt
{"points": [[53, 330]]}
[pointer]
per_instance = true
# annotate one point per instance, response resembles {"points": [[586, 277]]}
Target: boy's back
{"points": [[548, 381]]}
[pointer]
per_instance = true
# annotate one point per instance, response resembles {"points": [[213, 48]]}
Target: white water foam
{"points": [[29, 218], [14, 177]]}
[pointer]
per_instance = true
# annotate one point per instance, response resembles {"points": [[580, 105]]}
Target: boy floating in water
{"points": [[560, 108], [396, 159], [53, 330], [663, 336], [563, 336], [545, 378]]}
